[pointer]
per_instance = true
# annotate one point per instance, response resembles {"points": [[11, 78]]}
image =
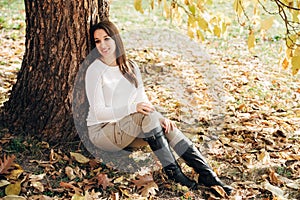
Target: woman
{"points": [[120, 113]]}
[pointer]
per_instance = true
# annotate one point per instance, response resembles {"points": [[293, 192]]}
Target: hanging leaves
{"points": [[138, 6], [251, 40]]}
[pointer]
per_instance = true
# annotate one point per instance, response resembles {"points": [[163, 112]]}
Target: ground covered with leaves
{"points": [[242, 110]]}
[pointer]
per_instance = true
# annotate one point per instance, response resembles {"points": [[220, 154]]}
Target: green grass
{"points": [[12, 15]]}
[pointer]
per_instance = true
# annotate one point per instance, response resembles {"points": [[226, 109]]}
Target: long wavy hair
{"points": [[126, 67]]}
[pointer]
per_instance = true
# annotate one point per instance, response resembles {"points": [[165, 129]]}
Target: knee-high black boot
{"points": [[160, 146], [192, 156]]}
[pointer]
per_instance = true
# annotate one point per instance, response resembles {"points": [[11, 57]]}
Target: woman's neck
{"points": [[109, 61]]}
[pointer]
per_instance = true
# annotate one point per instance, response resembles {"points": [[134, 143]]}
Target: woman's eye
{"points": [[97, 41], [107, 38]]}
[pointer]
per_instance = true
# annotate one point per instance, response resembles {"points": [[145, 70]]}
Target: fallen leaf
{"points": [[103, 180], [149, 189], [276, 191], [13, 189], [70, 173], [146, 185], [38, 185], [79, 157], [4, 183], [14, 197], [6, 164], [40, 197], [221, 192], [78, 197], [274, 178], [14, 174], [38, 177]]}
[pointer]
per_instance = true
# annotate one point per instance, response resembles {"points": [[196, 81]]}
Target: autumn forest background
{"points": [[229, 89]]}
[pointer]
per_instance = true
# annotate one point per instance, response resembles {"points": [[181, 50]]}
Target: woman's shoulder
{"points": [[96, 65]]}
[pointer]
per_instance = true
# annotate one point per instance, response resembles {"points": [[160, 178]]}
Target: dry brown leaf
{"points": [[79, 157], [4, 183], [274, 178], [40, 197], [276, 191], [38, 185], [149, 189], [146, 185], [221, 192], [103, 180], [70, 172], [38, 177], [6, 164], [14, 197], [143, 180]]}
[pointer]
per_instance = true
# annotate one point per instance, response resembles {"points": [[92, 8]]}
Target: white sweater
{"points": [[111, 96]]}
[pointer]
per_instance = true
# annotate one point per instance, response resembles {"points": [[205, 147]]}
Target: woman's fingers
{"points": [[145, 108]]}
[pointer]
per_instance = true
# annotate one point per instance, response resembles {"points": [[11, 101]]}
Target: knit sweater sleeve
{"points": [[141, 94], [95, 95]]}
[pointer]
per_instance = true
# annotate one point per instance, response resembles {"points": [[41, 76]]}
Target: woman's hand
{"points": [[167, 124], [144, 108]]}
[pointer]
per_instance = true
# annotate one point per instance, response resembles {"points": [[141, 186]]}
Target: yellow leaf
{"points": [[217, 31], [238, 7], [79, 157], [251, 40], [267, 23], [295, 64], [297, 51], [166, 9], [14, 175], [296, 15], [78, 197], [192, 8], [291, 40], [152, 4], [138, 6], [202, 23], [289, 53], [190, 32], [13, 189], [224, 27], [200, 35], [285, 63]]}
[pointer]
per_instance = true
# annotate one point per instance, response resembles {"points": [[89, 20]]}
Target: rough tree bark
{"points": [[57, 42]]}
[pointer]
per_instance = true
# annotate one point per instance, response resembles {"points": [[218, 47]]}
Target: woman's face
{"points": [[105, 44]]}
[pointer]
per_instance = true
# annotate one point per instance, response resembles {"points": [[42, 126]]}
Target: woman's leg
{"points": [[117, 135], [193, 157], [157, 141]]}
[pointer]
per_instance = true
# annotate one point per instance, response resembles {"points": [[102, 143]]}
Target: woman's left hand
{"points": [[167, 124]]}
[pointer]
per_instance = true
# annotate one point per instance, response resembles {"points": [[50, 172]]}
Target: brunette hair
{"points": [[126, 67]]}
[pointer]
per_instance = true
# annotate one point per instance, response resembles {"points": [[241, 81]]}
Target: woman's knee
{"points": [[151, 121]]}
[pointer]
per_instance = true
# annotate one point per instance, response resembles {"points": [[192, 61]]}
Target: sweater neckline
{"points": [[107, 66]]}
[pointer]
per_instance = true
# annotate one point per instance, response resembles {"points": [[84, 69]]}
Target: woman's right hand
{"points": [[145, 108]]}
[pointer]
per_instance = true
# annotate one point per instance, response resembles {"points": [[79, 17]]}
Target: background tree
{"points": [[57, 42]]}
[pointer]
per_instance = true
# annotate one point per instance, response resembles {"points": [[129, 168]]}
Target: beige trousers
{"points": [[129, 132]]}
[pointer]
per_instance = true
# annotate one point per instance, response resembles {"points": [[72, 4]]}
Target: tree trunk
{"points": [[57, 42]]}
